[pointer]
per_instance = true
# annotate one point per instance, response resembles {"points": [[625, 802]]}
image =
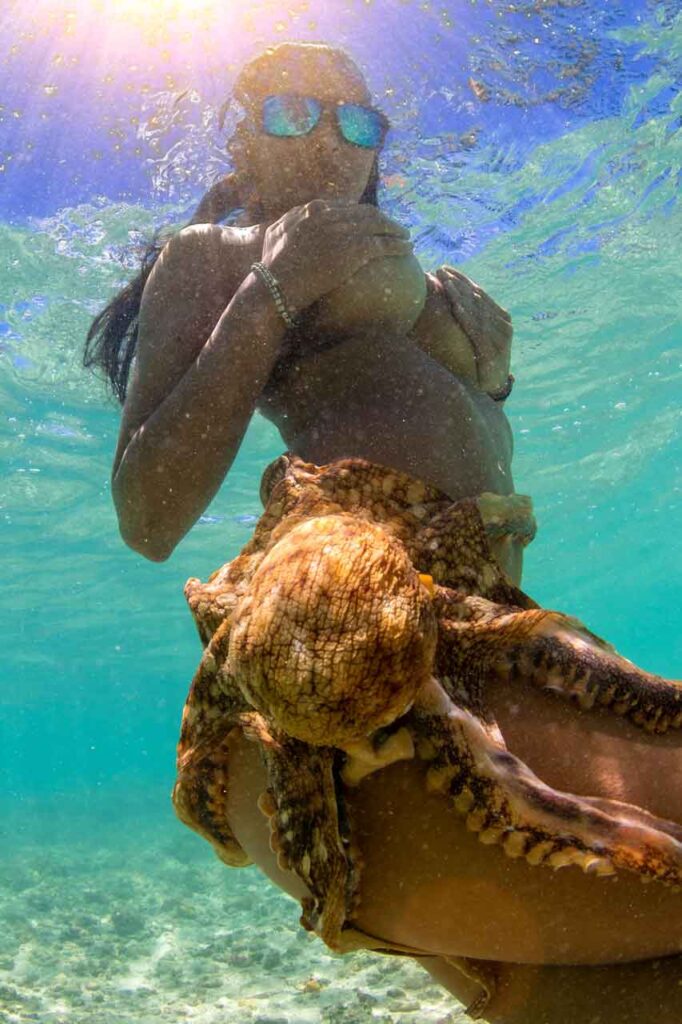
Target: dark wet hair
{"points": [[112, 338]]}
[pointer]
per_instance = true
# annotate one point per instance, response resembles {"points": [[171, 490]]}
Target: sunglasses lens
{"points": [[361, 125], [287, 116]]}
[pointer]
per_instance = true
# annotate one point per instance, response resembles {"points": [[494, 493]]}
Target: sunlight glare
{"points": [[150, 10]]}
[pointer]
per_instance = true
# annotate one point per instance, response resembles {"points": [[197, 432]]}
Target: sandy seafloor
{"points": [[109, 916]]}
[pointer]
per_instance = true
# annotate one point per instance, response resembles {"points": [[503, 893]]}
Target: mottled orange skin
{"points": [[336, 634], [335, 566]]}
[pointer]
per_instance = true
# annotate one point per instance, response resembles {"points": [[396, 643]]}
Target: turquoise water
{"points": [[110, 910]]}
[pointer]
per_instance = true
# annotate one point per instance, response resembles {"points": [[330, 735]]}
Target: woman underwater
{"points": [[313, 310]]}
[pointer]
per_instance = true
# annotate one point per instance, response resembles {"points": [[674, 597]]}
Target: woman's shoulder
{"points": [[202, 259], [212, 241], [199, 270]]}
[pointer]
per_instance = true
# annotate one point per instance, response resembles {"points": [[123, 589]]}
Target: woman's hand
{"points": [[487, 326], [314, 248]]}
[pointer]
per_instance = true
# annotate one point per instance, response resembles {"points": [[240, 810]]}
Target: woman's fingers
{"points": [[367, 225], [338, 213], [378, 246], [346, 240], [465, 285], [487, 326], [323, 243], [358, 246], [359, 251], [352, 216], [479, 316]]}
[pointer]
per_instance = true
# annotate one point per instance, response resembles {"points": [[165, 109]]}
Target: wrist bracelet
{"points": [[272, 285]]}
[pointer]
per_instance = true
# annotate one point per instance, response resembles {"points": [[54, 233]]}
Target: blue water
{"points": [[536, 146]]}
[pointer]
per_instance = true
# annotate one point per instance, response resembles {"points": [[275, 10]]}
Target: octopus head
{"points": [[336, 633]]}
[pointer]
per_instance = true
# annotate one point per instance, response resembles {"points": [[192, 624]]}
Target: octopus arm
{"points": [[305, 831], [556, 652], [200, 802], [213, 705], [506, 804], [454, 546], [214, 708]]}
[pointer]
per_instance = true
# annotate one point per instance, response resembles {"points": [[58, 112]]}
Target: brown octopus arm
{"points": [[454, 546], [305, 832], [211, 713], [506, 804], [556, 652]]}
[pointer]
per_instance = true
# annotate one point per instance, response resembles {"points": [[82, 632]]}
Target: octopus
{"points": [[358, 627]]}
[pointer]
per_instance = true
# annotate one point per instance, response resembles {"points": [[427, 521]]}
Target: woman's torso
{"points": [[374, 394], [391, 403]]}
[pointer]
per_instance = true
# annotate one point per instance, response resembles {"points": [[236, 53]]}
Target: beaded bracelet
{"points": [[272, 285]]}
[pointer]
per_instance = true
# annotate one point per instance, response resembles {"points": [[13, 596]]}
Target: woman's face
{"points": [[288, 172]]}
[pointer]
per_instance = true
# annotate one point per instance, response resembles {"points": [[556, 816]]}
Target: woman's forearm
{"points": [[175, 462]]}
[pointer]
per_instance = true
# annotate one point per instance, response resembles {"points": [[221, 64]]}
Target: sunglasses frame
{"points": [[325, 106]]}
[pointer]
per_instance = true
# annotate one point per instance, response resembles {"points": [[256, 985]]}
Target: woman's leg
{"points": [[646, 992]]}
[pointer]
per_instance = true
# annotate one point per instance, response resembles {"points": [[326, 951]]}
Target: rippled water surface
{"points": [[538, 147]]}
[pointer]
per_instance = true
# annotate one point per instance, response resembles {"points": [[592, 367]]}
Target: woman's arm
{"points": [[208, 340], [207, 344], [465, 330]]}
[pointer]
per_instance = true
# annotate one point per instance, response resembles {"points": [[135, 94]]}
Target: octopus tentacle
{"points": [[306, 834], [556, 652], [506, 804], [213, 705], [212, 711], [453, 547], [199, 799], [567, 660]]}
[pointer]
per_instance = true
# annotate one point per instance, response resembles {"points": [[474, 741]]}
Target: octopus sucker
{"points": [[563, 857], [515, 843], [491, 835], [477, 819], [586, 699], [266, 804], [540, 852], [555, 652], [598, 866], [464, 800], [605, 696], [361, 625], [440, 778]]}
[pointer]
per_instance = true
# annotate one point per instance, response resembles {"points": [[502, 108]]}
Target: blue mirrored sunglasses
{"points": [[287, 115]]}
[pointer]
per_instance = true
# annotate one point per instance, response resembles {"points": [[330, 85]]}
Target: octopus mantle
{"points": [[359, 626]]}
